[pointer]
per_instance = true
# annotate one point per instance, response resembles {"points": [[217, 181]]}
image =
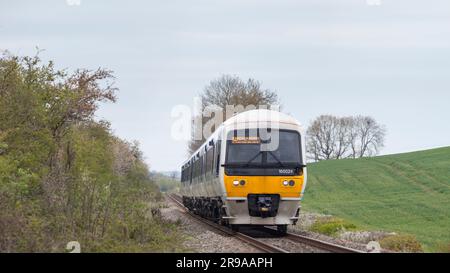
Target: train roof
{"points": [[261, 115]]}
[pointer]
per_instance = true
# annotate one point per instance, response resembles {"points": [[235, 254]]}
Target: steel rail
{"points": [[331, 247]]}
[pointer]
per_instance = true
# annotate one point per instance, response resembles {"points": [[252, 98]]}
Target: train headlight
{"points": [[291, 183], [242, 182], [285, 183], [236, 182]]}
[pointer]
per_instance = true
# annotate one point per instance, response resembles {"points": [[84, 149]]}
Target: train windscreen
{"points": [[246, 155]]}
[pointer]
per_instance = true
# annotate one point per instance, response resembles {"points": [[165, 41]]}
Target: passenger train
{"points": [[250, 171]]}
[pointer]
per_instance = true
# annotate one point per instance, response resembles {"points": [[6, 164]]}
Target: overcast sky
{"points": [[342, 57]]}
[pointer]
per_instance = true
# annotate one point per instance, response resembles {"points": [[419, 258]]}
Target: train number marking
{"points": [[286, 171]]}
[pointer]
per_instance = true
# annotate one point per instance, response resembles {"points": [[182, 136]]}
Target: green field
{"points": [[406, 193]]}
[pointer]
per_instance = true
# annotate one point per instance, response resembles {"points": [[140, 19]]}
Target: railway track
{"points": [[263, 246], [323, 245], [258, 244]]}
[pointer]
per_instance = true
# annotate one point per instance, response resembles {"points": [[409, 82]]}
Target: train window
{"points": [[193, 166], [217, 158], [213, 152], [247, 151], [190, 173], [209, 162], [184, 173], [205, 165], [288, 150], [198, 169], [202, 164], [195, 174], [207, 168], [244, 153]]}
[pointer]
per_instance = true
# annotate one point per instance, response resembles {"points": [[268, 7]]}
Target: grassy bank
{"points": [[406, 193]]}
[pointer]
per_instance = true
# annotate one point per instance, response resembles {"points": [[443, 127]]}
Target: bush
{"points": [[63, 175], [401, 243], [331, 226]]}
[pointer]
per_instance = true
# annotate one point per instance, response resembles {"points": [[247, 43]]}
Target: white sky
{"points": [[322, 56]]}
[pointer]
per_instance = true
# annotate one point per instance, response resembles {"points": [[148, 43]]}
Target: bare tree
{"points": [[323, 137], [343, 129], [331, 137], [353, 138], [230, 91], [371, 136]]}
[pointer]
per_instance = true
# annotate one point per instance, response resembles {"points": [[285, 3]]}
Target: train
{"points": [[250, 172]]}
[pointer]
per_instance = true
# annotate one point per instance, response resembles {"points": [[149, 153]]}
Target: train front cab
{"points": [[264, 189]]}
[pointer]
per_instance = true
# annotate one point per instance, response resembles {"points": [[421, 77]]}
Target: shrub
{"points": [[401, 243], [63, 175], [331, 226]]}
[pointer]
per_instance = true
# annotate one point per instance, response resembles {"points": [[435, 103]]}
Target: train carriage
{"points": [[250, 171]]}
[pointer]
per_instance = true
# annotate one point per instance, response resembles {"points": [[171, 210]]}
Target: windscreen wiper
{"points": [[276, 158], [253, 158], [243, 165]]}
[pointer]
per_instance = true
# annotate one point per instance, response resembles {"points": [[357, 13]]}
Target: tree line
{"points": [[64, 176]]}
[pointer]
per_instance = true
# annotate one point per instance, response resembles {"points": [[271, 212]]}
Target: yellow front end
{"points": [[264, 185], [238, 198]]}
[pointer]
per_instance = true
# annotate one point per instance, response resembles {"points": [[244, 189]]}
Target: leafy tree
{"points": [[64, 175]]}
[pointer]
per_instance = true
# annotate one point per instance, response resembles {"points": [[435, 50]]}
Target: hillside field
{"points": [[405, 193]]}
